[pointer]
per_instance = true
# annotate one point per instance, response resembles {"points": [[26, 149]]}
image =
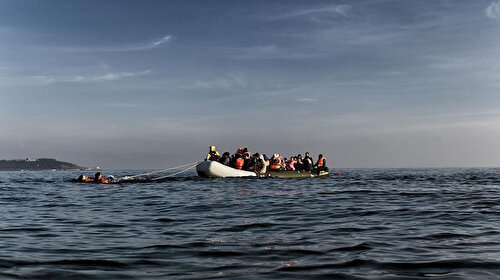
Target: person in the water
{"points": [[82, 178], [99, 179], [96, 179]]}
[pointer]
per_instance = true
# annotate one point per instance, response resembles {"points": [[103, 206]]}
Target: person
{"points": [[212, 154], [225, 159], [237, 161], [266, 162], [99, 179], [298, 163], [276, 162], [82, 179], [249, 161], [290, 165], [259, 166], [321, 163], [307, 163]]}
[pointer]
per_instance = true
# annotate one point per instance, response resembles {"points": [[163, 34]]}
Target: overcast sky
{"points": [[151, 84]]}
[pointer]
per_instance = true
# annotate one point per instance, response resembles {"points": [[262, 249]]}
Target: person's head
{"points": [[98, 176], [257, 155], [226, 154], [320, 156], [212, 148], [239, 151], [299, 156], [275, 155], [307, 154], [245, 150], [81, 178]]}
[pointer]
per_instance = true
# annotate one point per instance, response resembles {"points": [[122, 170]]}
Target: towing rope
{"points": [[191, 165], [176, 173]]}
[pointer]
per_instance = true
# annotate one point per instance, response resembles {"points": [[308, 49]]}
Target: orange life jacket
{"points": [[89, 179], [321, 161], [290, 165], [102, 181], [275, 163], [239, 163]]}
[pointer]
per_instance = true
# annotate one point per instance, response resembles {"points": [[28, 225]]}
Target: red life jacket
{"points": [[239, 163]]}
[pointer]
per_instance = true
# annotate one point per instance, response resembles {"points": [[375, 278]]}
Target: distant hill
{"points": [[37, 164]]}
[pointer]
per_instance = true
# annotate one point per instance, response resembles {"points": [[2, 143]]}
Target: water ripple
{"points": [[365, 224]]}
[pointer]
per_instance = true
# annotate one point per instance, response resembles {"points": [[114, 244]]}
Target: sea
{"points": [[363, 224]]}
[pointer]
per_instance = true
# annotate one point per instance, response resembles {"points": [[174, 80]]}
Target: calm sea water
{"points": [[365, 224]]}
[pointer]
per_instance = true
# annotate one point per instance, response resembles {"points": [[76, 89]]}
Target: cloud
{"points": [[223, 83], [111, 76], [160, 42], [137, 47], [493, 10], [328, 10], [151, 44], [269, 52]]}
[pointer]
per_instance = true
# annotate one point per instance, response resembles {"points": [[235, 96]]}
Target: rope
{"points": [[176, 173], [191, 165]]}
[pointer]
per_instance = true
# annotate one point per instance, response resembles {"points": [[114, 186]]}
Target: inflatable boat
{"points": [[215, 169]]}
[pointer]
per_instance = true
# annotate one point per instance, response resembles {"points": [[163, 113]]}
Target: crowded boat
{"points": [[261, 165]]}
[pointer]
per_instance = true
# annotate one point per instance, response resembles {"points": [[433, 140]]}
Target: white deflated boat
{"points": [[215, 169]]}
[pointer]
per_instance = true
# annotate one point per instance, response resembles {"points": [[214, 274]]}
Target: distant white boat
{"points": [[215, 169]]}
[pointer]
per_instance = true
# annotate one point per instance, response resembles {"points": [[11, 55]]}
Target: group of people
{"points": [[98, 178], [261, 163]]}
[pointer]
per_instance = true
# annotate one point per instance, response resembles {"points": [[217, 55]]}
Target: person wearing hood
{"points": [[212, 154]]}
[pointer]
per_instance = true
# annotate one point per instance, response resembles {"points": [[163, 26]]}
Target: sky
{"points": [[151, 84]]}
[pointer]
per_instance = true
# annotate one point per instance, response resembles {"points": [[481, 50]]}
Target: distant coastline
{"points": [[38, 164]]}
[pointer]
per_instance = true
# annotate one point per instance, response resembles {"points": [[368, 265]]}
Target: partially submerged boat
{"points": [[215, 169]]}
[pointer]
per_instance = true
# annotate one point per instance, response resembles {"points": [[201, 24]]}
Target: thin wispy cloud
{"points": [[160, 42], [137, 47], [493, 10], [223, 83], [149, 45], [269, 52], [327, 10], [111, 76]]}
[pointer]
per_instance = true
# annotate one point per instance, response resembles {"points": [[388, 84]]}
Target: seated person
{"points": [[321, 163], [225, 159], [212, 154], [307, 162]]}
